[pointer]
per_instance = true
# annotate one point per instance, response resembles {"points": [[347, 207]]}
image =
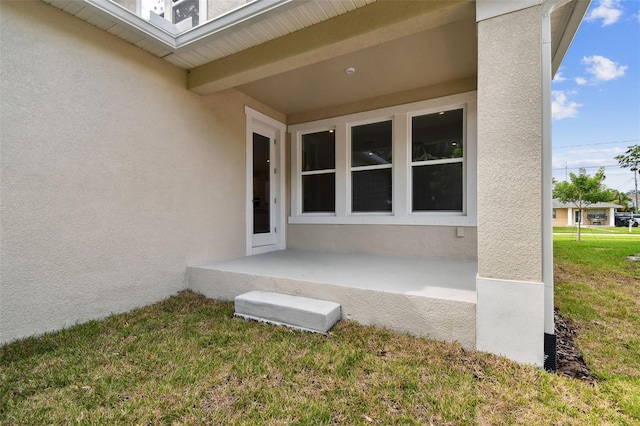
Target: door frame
{"points": [[254, 121]]}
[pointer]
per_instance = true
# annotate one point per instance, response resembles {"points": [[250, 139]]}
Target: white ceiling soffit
{"points": [[565, 21], [419, 60], [255, 23]]}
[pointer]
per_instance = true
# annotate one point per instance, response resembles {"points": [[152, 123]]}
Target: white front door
{"points": [[265, 184]]}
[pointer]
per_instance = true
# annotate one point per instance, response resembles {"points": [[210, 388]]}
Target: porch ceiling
{"points": [[394, 47], [292, 54], [428, 58]]}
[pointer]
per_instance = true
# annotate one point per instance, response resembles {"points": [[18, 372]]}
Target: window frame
{"points": [[455, 160], [315, 172], [169, 5], [353, 169], [402, 166]]}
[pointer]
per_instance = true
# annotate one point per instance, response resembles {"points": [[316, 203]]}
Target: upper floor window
{"points": [[174, 11], [410, 164], [185, 9]]}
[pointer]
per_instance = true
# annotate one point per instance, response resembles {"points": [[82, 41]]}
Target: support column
{"points": [[511, 293]]}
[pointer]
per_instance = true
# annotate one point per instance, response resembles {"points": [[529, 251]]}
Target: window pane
{"points": [[186, 9], [371, 144], [371, 190], [319, 193], [437, 187], [437, 136], [318, 151]]}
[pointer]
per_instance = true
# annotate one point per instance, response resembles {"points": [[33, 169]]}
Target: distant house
{"points": [[567, 214], [363, 152]]}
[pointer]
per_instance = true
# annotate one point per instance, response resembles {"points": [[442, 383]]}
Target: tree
{"points": [[582, 191], [620, 198], [631, 160]]}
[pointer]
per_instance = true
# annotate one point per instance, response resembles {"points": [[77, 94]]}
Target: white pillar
{"points": [[612, 216], [511, 152]]}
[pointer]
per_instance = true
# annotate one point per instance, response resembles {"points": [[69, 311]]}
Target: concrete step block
{"points": [[297, 312]]}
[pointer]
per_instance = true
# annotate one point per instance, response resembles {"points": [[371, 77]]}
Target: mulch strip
{"points": [[570, 360]]}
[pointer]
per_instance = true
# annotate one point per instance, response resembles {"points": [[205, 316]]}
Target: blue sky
{"points": [[596, 94]]}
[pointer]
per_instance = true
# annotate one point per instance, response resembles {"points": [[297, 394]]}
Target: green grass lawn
{"points": [[187, 360], [599, 290], [597, 230]]}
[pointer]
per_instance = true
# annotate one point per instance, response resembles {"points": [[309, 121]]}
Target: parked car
{"points": [[623, 219]]}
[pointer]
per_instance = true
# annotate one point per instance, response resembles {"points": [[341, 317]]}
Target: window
{"points": [[437, 147], [318, 172], [554, 213], [371, 151], [409, 164], [184, 9], [175, 11]]}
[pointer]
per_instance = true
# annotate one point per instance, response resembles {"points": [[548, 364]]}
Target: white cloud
{"points": [[561, 107], [602, 68], [608, 10], [559, 77], [580, 81]]}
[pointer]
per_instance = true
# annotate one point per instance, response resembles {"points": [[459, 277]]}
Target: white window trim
{"points": [[401, 213]]}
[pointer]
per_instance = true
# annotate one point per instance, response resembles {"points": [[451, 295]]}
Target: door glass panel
{"points": [[261, 184]]}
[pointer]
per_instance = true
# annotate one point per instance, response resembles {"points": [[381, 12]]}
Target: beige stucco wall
{"points": [[216, 8], [561, 217], [388, 240], [114, 177], [509, 146]]}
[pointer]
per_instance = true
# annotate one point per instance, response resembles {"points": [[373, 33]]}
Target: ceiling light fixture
{"points": [[350, 70]]}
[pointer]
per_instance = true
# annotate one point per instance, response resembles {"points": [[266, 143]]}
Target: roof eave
{"points": [[579, 9]]}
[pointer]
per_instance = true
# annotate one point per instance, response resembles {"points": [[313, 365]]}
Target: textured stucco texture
{"points": [[510, 146], [114, 177], [386, 240]]}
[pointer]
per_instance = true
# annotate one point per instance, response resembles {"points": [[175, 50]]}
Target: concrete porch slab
{"points": [[426, 297]]}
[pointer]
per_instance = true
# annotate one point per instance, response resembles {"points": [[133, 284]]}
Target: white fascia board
{"points": [[487, 9], [235, 19], [232, 19], [136, 23]]}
